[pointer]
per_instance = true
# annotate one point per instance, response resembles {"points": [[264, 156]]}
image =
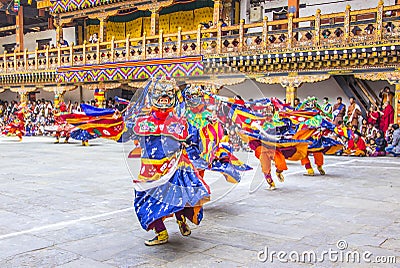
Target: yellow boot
{"points": [[310, 172], [159, 239], [272, 186], [321, 170], [270, 181], [280, 176], [184, 227], [57, 141]]}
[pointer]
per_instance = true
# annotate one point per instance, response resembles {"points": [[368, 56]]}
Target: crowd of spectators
{"points": [[375, 134], [39, 114]]}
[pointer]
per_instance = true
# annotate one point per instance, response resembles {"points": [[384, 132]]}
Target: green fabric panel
{"points": [[129, 17], [92, 22], [186, 7]]}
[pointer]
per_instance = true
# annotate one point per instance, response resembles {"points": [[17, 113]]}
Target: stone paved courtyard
{"points": [[64, 205]]}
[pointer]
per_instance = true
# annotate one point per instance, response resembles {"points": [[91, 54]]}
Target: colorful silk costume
{"points": [[168, 183], [17, 124], [207, 134]]}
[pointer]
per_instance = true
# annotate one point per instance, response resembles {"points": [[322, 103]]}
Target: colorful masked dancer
{"points": [[168, 183]]}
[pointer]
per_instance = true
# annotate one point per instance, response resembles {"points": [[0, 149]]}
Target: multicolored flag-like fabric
{"points": [[343, 131], [90, 110], [298, 117], [121, 100], [244, 116], [210, 136], [228, 165], [103, 123]]}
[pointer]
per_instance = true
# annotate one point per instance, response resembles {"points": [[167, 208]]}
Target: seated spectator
{"points": [[356, 146], [205, 25], [223, 24], [63, 43], [364, 127], [394, 147], [371, 131], [371, 147], [380, 144]]}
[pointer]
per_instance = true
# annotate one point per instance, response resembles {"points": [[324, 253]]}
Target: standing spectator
{"points": [[353, 113], [387, 116], [394, 147], [373, 115], [326, 106], [386, 95], [339, 110]]}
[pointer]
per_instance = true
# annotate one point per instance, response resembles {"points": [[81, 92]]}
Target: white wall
{"points": [[248, 90], [328, 88], [328, 8], [325, 6], [9, 96], [244, 10], [31, 38]]}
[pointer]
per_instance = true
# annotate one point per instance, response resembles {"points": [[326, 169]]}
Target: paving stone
{"points": [[71, 206], [203, 260], [48, 257], [20, 244], [85, 263]]}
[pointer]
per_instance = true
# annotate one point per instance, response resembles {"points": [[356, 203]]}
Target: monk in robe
{"points": [[353, 113], [356, 147], [387, 116]]}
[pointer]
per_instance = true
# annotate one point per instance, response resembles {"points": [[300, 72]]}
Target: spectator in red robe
{"points": [[387, 116], [372, 115], [356, 146]]}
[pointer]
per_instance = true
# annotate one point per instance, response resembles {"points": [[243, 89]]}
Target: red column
{"points": [[19, 22], [293, 7]]}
